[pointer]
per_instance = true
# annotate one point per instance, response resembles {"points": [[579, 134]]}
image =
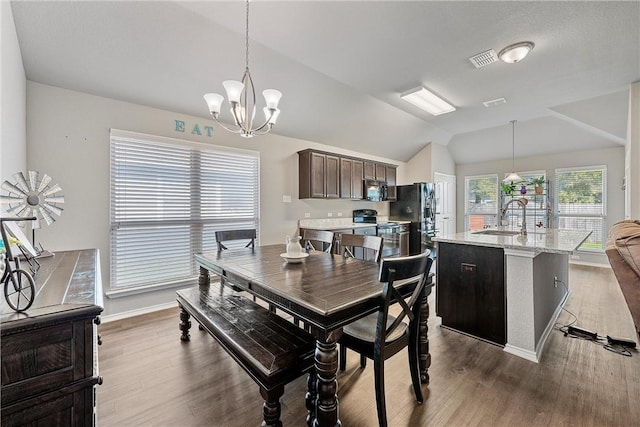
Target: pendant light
{"points": [[513, 176]]}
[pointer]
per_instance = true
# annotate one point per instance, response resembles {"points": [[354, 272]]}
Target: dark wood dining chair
{"points": [[230, 235], [370, 246], [381, 335], [248, 235], [317, 240]]}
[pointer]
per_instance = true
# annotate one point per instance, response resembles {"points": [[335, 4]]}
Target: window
{"points": [[581, 202], [481, 201], [538, 206], [168, 197]]}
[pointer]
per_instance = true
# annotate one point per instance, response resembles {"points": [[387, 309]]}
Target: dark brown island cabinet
{"points": [[325, 175], [49, 353], [470, 290]]}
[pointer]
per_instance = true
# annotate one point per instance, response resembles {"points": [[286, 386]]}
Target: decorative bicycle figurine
{"points": [[19, 287]]}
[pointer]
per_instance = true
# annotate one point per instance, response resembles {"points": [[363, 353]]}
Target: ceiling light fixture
{"points": [[515, 52], [240, 93], [427, 101], [513, 176]]}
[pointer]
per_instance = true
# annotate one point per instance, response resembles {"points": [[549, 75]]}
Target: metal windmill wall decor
{"points": [[33, 196]]}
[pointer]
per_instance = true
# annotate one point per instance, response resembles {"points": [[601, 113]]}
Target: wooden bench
{"points": [[270, 349]]}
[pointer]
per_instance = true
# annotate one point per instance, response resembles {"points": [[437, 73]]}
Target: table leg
{"points": [[204, 279], [185, 325], [326, 364], [311, 396], [424, 355]]}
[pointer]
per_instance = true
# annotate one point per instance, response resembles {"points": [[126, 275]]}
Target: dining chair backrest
{"points": [[317, 240], [229, 235], [371, 246], [402, 269]]}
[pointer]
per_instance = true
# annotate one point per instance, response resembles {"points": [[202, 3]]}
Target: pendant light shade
{"points": [[513, 176]]}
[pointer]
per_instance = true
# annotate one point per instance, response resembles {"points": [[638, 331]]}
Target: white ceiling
{"points": [[342, 65]]}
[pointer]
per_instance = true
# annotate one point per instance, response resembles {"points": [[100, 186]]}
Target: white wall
{"points": [[13, 143], [432, 158], [632, 154], [613, 158], [68, 138]]}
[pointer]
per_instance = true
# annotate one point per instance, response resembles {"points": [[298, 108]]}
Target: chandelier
{"points": [[242, 97], [513, 176]]}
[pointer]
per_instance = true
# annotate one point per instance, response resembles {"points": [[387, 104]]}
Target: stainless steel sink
{"points": [[498, 232]]}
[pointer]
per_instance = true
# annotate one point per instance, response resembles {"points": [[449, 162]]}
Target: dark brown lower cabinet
{"points": [[49, 354], [470, 290]]}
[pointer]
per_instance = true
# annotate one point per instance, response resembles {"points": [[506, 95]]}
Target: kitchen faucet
{"points": [[522, 202]]}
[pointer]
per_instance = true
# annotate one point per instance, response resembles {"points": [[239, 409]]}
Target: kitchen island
{"points": [[504, 287]]}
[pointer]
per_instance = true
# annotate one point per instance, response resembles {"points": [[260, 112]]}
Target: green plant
{"points": [[508, 188], [538, 182]]}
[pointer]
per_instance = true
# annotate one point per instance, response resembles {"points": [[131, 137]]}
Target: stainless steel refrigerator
{"points": [[416, 203]]}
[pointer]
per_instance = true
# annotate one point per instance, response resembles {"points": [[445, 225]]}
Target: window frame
{"points": [[603, 216], [194, 216], [469, 178]]}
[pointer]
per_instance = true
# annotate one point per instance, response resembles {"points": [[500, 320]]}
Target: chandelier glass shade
{"points": [[513, 176], [242, 98]]}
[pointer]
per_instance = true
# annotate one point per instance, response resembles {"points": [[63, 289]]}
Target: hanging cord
{"points": [[599, 339], [565, 328]]}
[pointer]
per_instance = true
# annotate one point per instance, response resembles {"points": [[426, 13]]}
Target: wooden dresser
{"points": [[49, 353]]}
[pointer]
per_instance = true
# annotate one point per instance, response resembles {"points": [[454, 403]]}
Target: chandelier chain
{"points": [[246, 35]]}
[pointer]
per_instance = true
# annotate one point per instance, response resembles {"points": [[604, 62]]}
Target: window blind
{"points": [[581, 202], [168, 197]]}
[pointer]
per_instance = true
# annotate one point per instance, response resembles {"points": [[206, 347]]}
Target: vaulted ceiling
{"points": [[342, 65]]}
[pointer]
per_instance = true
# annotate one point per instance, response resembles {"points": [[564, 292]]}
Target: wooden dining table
{"points": [[325, 291]]}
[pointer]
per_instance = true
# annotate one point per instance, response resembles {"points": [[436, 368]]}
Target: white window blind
{"points": [[481, 201], [168, 197], [581, 202]]}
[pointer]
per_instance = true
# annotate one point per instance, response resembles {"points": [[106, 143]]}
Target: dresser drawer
{"points": [[44, 359]]}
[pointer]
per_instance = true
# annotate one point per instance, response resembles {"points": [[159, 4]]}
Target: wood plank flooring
{"points": [[153, 379]]}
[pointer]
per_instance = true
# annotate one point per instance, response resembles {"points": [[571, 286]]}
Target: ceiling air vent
{"points": [[494, 102], [484, 58]]}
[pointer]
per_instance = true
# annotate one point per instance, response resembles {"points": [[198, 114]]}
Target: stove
{"points": [[394, 235]]}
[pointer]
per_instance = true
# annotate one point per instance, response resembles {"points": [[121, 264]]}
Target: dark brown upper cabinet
{"points": [[319, 175], [351, 171], [325, 175], [391, 183]]}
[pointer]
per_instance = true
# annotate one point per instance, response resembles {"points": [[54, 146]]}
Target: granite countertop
{"points": [[547, 240], [331, 224]]}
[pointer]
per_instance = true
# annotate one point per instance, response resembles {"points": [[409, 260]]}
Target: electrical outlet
{"points": [[307, 215], [330, 214], [339, 213], [286, 198], [555, 281]]}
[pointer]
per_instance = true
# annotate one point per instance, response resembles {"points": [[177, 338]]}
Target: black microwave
{"points": [[375, 191]]}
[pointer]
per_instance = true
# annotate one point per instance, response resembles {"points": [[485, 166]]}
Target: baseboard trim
{"points": [[137, 312], [589, 264]]}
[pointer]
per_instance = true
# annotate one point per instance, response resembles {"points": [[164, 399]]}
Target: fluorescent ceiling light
{"points": [[427, 101]]}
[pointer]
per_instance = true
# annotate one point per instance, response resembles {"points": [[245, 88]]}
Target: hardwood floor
{"points": [[153, 379]]}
